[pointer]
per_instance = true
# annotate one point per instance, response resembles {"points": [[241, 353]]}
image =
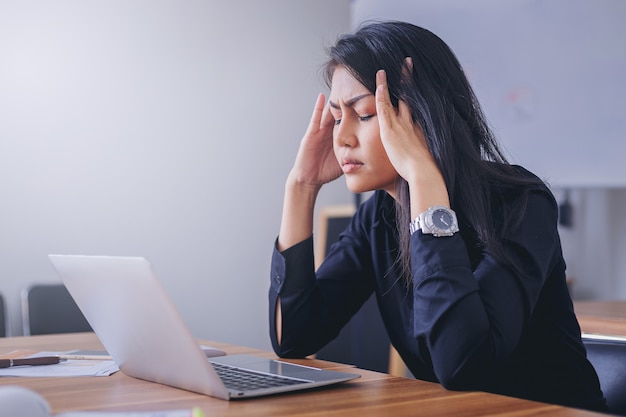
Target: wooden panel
{"points": [[602, 317]]}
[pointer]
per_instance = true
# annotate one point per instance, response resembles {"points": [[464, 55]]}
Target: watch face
{"points": [[442, 219]]}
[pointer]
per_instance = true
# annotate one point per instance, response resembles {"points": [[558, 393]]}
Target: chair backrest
{"points": [[3, 318], [608, 357], [363, 341], [49, 308]]}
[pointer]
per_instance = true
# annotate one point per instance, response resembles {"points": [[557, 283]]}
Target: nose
{"points": [[344, 135]]}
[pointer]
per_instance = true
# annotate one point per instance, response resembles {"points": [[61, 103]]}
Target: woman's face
{"points": [[356, 136]]}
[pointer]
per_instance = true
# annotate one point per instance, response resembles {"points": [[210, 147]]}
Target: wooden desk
{"points": [[374, 394], [602, 317]]}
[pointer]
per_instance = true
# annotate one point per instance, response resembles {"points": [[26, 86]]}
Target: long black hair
{"points": [[444, 105]]}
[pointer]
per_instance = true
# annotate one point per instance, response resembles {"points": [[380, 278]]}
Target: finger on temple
{"points": [[327, 118], [382, 93], [408, 65], [317, 116], [382, 97], [407, 71]]}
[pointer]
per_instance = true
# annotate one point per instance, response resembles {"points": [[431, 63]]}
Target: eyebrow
{"points": [[350, 102]]}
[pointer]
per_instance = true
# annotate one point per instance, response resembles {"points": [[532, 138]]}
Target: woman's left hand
{"points": [[408, 152]]}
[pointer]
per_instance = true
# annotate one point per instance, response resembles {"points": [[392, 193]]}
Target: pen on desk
{"points": [[43, 360]]}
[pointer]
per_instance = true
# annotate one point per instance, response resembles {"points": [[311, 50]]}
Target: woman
{"points": [[460, 247]]}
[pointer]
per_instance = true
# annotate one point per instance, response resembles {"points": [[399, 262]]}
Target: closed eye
{"points": [[361, 118]]}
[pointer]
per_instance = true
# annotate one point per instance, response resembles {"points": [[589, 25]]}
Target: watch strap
{"points": [[414, 226], [427, 223]]}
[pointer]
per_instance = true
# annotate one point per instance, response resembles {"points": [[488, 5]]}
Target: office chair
{"points": [[3, 318], [608, 357], [363, 341], [48, 309]]}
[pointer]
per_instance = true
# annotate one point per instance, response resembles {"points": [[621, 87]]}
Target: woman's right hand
{"points": [[315, 163]]}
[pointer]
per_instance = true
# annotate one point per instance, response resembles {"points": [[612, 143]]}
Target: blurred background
{"points": [[165, 129]]}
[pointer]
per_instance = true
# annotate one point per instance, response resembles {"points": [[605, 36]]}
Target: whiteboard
{"points": [[551, 76]]}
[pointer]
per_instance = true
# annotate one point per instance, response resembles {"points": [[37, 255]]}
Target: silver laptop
{"points": [[141, 329]]}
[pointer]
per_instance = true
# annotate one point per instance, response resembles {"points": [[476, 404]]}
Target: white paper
{"points": [[67, 368], [175, 413]]}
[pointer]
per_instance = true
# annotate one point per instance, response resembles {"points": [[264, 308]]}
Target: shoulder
{"points": [[529, 196], [526, 184], [534, 182]]}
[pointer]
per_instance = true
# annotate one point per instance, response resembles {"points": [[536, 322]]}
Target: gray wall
{"points": [[158, 128], [549, 74], [595, 245], [166, 128]]}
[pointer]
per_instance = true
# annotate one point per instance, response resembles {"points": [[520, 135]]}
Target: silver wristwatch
{"points": [[437, 221]]}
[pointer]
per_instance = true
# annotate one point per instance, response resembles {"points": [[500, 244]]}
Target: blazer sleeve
{"points": [[472, 318], [315, 305]]}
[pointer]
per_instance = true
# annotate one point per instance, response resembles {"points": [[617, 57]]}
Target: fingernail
{"points": [[409, 63], [380, 75]]}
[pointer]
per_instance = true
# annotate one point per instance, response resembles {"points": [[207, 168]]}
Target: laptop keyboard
{"points": [[245, 380]]}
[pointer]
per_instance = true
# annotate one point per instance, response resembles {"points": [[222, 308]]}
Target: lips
{"points": [[349, 165]]}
